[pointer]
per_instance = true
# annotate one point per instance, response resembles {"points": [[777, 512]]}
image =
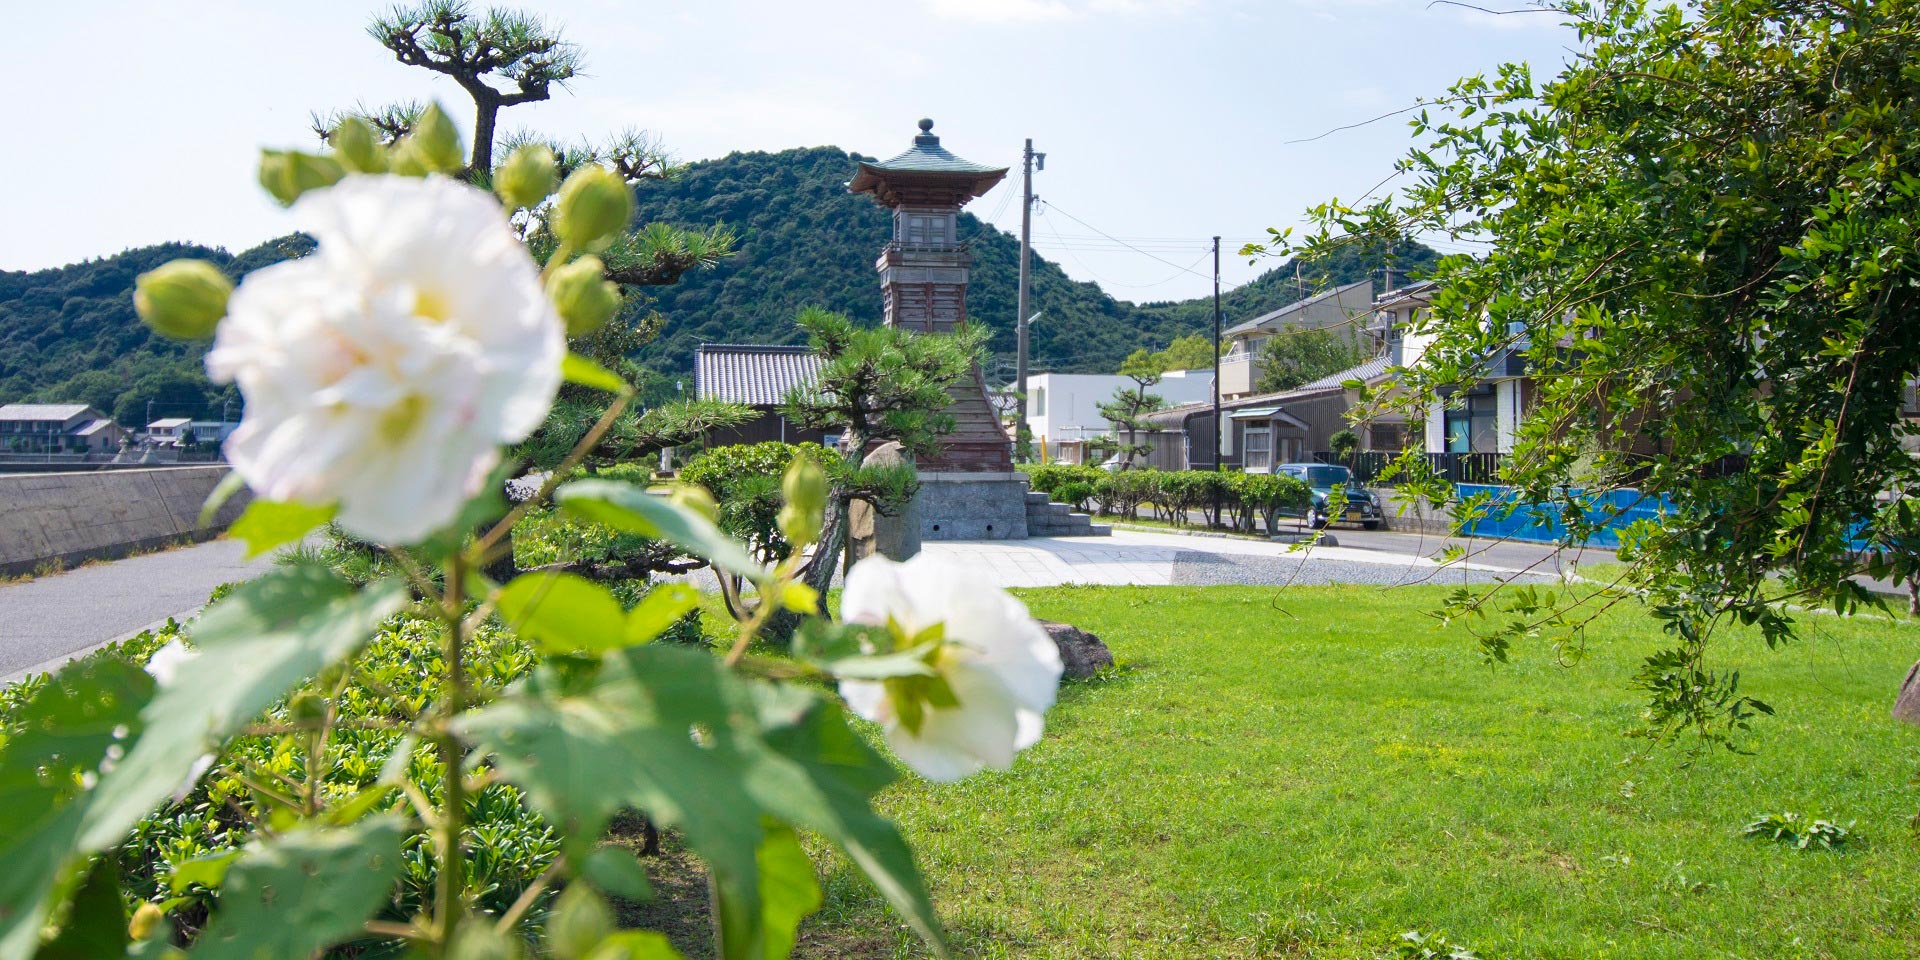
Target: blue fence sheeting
{"points": [[1544, 522]]}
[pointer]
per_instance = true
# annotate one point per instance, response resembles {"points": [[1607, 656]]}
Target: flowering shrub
{"points": [[383, 376]]}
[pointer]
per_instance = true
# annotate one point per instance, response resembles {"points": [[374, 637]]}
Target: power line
{"points": [[1051, 206]]}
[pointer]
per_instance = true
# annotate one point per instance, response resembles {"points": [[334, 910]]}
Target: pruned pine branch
{"points": [[658, 254], [391, 122]]}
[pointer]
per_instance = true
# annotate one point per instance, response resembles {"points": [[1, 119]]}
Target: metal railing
{"points": [[1369, 465]]}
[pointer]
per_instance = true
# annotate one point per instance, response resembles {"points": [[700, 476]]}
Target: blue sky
{"points": [[1164, 121]]}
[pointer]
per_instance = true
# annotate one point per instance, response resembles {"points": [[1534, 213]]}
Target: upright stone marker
{"points": [[968, 487]]}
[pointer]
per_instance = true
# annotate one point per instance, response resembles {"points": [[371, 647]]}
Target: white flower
{"points": [[384, 371], [166, 662], [1000, 667]]}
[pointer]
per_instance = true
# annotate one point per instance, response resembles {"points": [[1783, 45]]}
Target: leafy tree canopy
{"points": [[1706, 228], [1294, 357]]}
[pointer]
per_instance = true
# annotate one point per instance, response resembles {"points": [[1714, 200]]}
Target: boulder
{"points": [[869, 531], [1081, 653], [1906, 707]]}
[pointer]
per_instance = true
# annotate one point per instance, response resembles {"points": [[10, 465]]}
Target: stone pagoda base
{"points": [[972, 506]]}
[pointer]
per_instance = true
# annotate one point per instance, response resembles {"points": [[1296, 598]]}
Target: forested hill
{"points": [[805, 241], [70, 333]]}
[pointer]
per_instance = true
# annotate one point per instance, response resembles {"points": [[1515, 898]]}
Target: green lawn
{"points": [[1312, 773]]}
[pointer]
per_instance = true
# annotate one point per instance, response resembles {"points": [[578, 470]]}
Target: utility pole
{"points": [[1219, 446], [1022, 435]]}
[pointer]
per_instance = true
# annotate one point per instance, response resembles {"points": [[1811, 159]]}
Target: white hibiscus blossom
{"points": [[383, 372], [996, 670]]}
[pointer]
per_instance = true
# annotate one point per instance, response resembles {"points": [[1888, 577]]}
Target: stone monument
{"points": [[969, 489]]}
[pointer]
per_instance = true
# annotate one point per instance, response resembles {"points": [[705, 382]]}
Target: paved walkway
{"points": [[1136, 557], [46, 620]]}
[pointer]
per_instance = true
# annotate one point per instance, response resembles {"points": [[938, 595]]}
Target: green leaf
{"points": [[662, 607], [563, 612], [579, 921], [911, 662], [304, 891], [624, 506], [267, 523], [578, 369], [209, 870], [636, 945], [617, 872], [821, 775], [63, 733], [624, 741], [97, 923], [483, 941], [789, 891], [264, 639]]}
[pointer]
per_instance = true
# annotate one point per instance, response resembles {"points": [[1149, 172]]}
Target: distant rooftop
{"points": [[1296, 307], [757, 375], [168, 423], [1366, 371], [59, 412]]}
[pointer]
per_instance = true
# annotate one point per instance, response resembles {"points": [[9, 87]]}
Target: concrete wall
{"points": [[972, 506], [68, 518]]}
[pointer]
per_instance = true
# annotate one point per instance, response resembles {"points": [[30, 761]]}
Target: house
{"points": [[1063, 408], [1262, 430], [57, 428], [168, 431], [757, 376], [1343, 307]]}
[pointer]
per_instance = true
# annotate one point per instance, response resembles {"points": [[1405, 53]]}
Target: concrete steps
{"points": [[1048, 519]]}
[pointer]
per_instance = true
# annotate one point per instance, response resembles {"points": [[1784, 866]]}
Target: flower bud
{"points": [[146, 918], [695, 498], [182, 299], [357, 147], [805, 489], [436, 142], [594, 204], [288, 173], [403, 158], [584, 299], [527, 176]]}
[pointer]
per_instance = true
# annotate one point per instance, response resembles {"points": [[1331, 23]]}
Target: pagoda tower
{"points": [[969, 488]]}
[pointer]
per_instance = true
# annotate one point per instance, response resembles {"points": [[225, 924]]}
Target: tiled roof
{"points": [[168, 423], [1366, 371], [753, 374], [926, 161], [928, 156], [92, 427], [43, 411]]}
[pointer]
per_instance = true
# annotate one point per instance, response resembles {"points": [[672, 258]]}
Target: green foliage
{"points": [[1715, 201], [1290, 358], [745, 479], [1128, 409], [1799, 833], [1191, 352], [880, 383]]}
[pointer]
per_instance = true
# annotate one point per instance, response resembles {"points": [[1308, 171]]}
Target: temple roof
{"points": [[927, 166]]}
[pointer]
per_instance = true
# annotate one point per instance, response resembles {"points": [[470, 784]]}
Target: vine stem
{"points": [[449, 883]]}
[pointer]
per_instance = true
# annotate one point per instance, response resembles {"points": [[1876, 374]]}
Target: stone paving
{"points": [[1140, 558]]}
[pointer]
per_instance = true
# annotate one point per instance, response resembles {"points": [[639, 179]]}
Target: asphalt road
{"points": [[47, 620]]}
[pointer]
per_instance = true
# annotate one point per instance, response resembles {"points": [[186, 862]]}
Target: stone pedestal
{"points": [[871, 532], [972, 506]]}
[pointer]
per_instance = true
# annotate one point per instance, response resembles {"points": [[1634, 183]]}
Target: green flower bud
{"points": [[182, 299], [436, 143], [805, 489], [357, 147], [580, 292], [526, 178], [403, 158], [693, 497], [288, 173], [594, 205]]}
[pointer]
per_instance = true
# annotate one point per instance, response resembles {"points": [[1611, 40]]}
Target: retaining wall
{"points": [[68, 518]]}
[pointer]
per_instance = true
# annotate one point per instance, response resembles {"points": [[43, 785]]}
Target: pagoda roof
{"points": [[926, 165]]}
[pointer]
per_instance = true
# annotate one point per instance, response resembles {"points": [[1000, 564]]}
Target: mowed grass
{"points": [[1312, 772]]}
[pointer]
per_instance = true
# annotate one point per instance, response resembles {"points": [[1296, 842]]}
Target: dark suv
{"points": [[1322, 478]]}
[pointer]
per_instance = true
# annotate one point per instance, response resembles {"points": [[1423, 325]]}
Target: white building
{"points": [[1063, 408]]}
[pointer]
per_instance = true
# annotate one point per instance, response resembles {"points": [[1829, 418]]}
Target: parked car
{"points": [[1361, 508]]}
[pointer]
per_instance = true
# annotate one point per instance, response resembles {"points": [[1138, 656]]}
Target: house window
{"points": [[1470, 423], [1038, 406], [1259, 443], [1387, 436], [927, 228]]}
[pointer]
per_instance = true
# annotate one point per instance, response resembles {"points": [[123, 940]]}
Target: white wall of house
{"points": [[1064, 407], [1506, 420]]}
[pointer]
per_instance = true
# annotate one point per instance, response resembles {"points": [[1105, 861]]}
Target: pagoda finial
{"points": [[926, 133]]}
